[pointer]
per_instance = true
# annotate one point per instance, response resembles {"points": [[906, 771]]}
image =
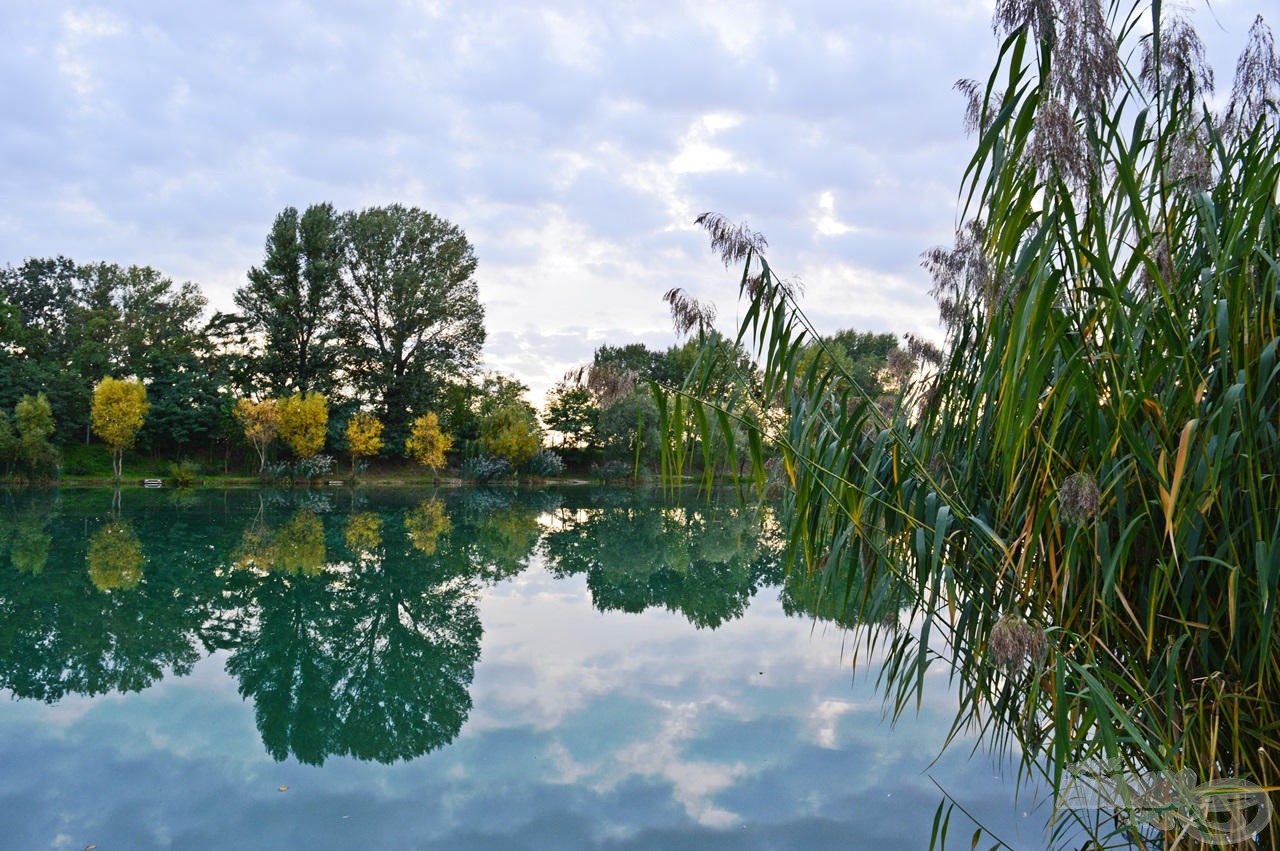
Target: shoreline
{"points": [[253, 482]]}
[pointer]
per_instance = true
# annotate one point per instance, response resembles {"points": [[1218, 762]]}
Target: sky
{"points": [[573, 142]]}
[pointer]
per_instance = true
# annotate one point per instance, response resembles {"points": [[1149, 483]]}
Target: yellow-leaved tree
{"points": [[512, 432], [364, 436], [304, 422], [427, 444], [261, 423], [119, 408]]}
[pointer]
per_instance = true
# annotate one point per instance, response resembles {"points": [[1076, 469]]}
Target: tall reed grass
{"points": [[1084, 492]]}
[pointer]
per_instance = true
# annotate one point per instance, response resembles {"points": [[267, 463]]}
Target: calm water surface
{"points": [[469, 669]]}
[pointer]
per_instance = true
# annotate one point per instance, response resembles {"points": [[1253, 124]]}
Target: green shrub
{"points": [[184, 473]]}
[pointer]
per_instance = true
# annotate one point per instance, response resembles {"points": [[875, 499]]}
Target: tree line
{"points": [[351, 318], [359, 334]]}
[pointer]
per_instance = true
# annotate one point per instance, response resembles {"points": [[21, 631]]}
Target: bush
{"points": [[486, 468], [184, 473], [610, 471], [545, 465], [277, 471], [315, 467]]}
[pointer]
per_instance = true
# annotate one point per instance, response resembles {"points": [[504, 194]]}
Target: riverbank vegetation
{"points": [[345, 351], [1082, 491], [355, 328]]}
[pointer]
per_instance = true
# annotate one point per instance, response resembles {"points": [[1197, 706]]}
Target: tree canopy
{"points": [[412, 317], [291, 301], [119, 409]]}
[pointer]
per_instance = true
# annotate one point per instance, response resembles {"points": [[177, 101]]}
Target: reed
{"points": [[1084, 492]]}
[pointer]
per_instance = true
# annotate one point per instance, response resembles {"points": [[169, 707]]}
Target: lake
{"points": [[582, 667]]}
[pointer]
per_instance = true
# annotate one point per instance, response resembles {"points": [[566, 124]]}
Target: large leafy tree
{"points": [[66, 326], [573, 412], [290, 301], [412, 318], [39, 329]]}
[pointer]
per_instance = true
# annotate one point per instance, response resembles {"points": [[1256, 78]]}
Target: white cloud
{"points": [[81, 28], [573, 142], [826, 221]]}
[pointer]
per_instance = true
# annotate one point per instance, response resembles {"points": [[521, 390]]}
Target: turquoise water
{"points": [[468, 669]]}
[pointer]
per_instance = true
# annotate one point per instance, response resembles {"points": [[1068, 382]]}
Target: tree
{"points": [[291, 301], [9, 444], [33, 418], [304, 421], [427, 444], [412, 318], [629, 428], [261, 424], [364, 436], [119, 409], [39, 330], [572, 411], [497, 391], [512, 433], [186, 399], [864, 361], [635, 359]]}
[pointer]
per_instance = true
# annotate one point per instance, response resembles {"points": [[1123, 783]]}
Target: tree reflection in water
{"points": [[355, 631], [60, 633], [701, 559], [114, 556]]}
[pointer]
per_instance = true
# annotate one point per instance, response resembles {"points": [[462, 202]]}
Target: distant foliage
{"points": [[611, 471], [9, 445]]}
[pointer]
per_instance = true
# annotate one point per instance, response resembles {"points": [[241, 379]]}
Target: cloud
{"points": [[573, 142]]}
